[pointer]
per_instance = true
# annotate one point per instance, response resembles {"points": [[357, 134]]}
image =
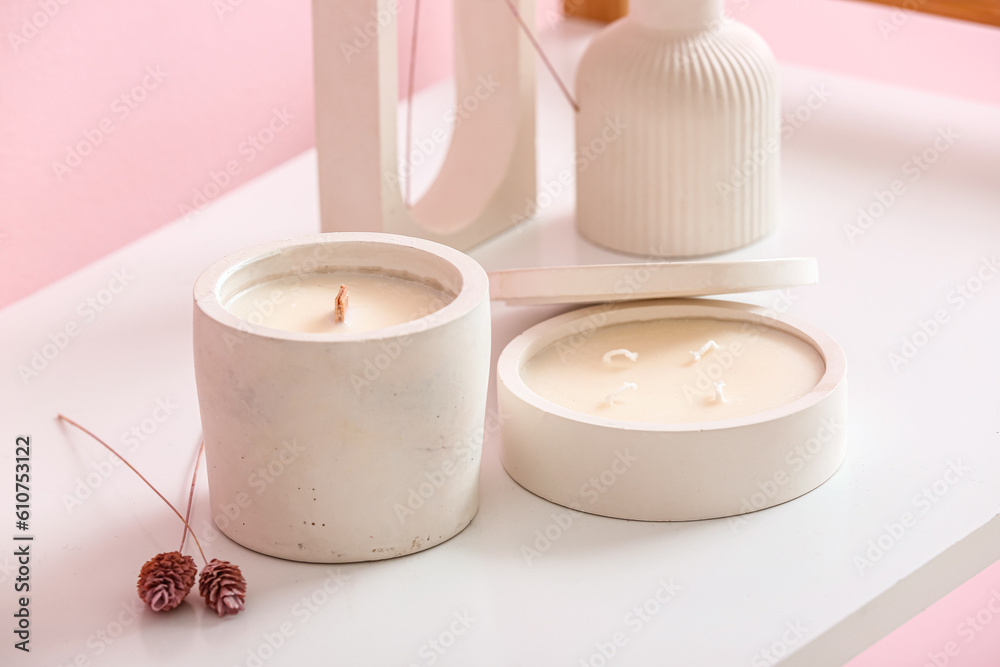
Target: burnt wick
{"points": [[340, 308]]}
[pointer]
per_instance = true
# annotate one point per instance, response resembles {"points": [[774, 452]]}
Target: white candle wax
{"points": [[308, 303], [684, 370]]}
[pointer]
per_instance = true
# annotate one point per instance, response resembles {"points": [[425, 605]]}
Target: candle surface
{"points": [[308, 303], [675, 370]]}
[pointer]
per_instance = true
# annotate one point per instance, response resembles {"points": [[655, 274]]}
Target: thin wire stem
{"points": [[194, 478], [169, 504], [541, 54], [410, 85]]}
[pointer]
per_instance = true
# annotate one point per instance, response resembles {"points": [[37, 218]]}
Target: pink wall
{"points": [[877, 42], [140, 102], [961, 630], [116, 114]]}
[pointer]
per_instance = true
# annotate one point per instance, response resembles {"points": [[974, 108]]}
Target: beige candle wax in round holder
{"points": [[672, 409], [342, 382]]}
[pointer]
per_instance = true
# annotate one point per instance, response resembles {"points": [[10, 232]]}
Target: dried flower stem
{"points": [[340, 309], [194, 478], [221, 583], [169, 504]]}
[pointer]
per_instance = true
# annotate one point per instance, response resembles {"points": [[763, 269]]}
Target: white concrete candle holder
{"points": [[664, 471], [343, 447]]}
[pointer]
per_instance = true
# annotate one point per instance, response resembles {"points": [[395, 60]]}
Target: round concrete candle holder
{"points": [[670, 471], [339, 447]]}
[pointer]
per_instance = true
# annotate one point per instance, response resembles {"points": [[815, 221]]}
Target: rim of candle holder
{"points": [[468, 285], [533, 340]]}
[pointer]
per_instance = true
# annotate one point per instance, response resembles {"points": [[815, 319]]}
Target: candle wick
{"points": [[622, 352], [340, 307], [710, 345], [719, 397], [610, 400]]}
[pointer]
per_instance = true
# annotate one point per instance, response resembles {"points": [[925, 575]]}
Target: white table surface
{"points": [[739, 583]]}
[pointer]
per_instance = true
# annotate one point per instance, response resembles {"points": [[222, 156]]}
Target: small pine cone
{"points": [[222, 585], [166, 579]]}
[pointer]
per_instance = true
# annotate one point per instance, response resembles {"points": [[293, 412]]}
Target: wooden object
{"points": [[986, 12], [596, 10]]}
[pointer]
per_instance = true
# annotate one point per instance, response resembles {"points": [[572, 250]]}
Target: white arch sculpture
{"points": [[488, 176]]}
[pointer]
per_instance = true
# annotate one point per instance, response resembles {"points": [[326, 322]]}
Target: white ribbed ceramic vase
{"points": [[678, 132]]}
